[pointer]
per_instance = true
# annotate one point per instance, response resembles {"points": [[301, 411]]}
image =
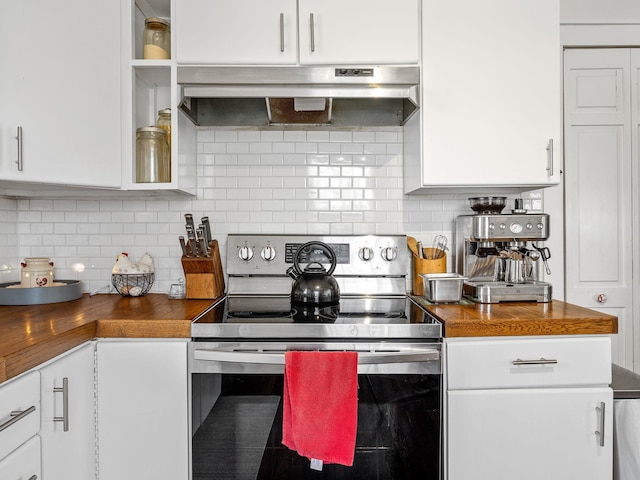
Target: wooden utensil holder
{"points": [[203, 275], [427, 265]]}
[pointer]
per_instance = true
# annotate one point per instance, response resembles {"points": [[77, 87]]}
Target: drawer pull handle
{"points": [[540, 361], [19, 139], [65, 404], [17, 416], [600, 431], [33, 477]]}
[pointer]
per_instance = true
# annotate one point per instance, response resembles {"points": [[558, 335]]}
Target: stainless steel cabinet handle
{"points": [[600, 431], [540, 361], [282, 32], [313, 33], [550, 157], [65, 404], [34, 477], [19, 139], [17, 416]]}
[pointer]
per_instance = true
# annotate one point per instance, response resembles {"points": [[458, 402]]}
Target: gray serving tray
{"points": [[69, 290]]}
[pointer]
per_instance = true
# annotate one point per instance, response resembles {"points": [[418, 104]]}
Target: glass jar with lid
{"points": [[152, 156], [164, 122], [156, 39]]}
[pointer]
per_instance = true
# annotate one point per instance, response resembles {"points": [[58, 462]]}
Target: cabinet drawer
{"points": [[23, 463], [528, 362], [19, 411]]}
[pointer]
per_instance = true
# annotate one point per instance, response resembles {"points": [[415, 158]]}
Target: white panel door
{"points": [[69, 453], [240, 32], [599, 187], [143, 420], [529, 434], [60, 82], [359, 32]]}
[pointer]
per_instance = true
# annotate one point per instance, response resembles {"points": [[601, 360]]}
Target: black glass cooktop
{"points": [[270, 317]]}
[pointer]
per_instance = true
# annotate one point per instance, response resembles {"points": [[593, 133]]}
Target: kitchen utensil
{"points": [[202, 245], [207, 229], [183, 246], [314, 285], [421, 250], [412, 243], [487, 204], [204, 276], [546, 255], [439, 246]]}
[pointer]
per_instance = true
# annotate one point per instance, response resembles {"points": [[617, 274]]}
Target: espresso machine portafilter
{"points": [[500, 256]]}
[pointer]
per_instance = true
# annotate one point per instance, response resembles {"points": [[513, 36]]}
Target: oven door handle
{"points": [[277, 358]]}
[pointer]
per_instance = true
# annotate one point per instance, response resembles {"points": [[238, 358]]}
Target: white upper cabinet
{"points": [[60, 85], [359, 31], [238, 32], [254, 32], [491, 97]]}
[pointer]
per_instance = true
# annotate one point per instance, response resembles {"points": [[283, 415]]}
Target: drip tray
{"points": [[496, 292]]}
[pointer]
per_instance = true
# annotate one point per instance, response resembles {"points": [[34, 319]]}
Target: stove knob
{"points": [[268, 253], [366, 254], [389, 254], [245, 253]]}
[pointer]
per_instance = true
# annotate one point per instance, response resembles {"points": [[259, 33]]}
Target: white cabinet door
{"points": [[60, 83], [23, 463], [601, 152], [68, 416], [490, 95], [143, 421], [359, 32], [529, 434], [241, 32]]}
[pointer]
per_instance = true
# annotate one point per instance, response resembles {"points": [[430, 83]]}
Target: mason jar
{"points": [[164, 122], [36, 272], [152, 156], [156, 39]]}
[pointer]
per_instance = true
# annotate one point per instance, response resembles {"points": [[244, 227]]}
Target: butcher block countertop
{"points": [[31, 335], [521, 318]]}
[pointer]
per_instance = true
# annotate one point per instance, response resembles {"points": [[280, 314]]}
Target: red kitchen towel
{"points": [[320, 411]]}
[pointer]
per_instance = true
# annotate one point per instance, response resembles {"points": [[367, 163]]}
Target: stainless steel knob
{"points": [[366, 254], [389, 254], [268, 253], [245, 253]]}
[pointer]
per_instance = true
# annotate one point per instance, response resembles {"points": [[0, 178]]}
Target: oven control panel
{"points": [[356, 255]]}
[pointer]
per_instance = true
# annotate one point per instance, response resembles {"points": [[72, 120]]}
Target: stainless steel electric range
{"points": [[237, 360]]}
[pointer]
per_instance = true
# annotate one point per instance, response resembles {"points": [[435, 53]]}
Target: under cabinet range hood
{"points": [[309, 96]]}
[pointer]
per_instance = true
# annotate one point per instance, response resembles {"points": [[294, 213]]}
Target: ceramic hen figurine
{"points": [[125, 265]]}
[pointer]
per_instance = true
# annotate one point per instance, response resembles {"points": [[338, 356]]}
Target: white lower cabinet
{"points": [[142, 410], [23, 463], [68, 416], [528, 418]]}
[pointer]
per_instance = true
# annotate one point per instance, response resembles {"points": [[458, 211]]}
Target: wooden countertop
{"points": [[521, 318], [31, 335]]}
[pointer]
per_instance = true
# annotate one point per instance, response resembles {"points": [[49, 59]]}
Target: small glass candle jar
{"points": [[36, 272], [156, 39]]}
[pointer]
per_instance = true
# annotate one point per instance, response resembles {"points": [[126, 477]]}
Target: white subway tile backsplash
{"points": [[288, 181]]}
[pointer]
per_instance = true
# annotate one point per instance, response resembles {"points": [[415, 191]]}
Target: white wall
{"points": [[249, 181]]}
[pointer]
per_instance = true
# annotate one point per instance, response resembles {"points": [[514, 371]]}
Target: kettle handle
{"points": [[325, 247]]}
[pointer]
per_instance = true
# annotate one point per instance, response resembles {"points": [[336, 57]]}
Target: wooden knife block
{"points": [[203, 275]]}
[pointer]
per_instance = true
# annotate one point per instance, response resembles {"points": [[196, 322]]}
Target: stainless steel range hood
{"points": [[260, 96]]}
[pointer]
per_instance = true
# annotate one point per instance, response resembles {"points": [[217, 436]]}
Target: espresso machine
{"points": [[500, 256]]}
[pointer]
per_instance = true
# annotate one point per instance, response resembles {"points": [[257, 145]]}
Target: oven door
{"points": [[237, 392]]}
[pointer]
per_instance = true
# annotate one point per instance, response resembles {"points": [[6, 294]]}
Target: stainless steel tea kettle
{"points": [[314, 285]]}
